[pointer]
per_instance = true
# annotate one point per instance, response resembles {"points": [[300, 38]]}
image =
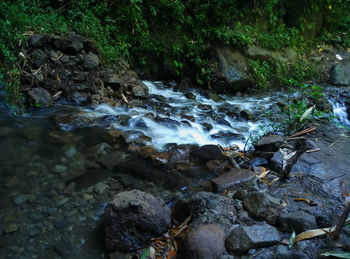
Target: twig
{"points": [[342, 220], [302, 132], [312, 150]]}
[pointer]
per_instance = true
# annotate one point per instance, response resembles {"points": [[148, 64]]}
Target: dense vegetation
{"points": [[175, 38]]}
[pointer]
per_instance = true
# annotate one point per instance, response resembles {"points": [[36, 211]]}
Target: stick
{"points": [[342, 220], [303, 132]]}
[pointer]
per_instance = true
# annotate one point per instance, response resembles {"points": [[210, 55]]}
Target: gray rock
{"points": [[40, 97], [64, 247], [244, 238], [134, 217], [269, 143], [39, 57], [245, 114], [280, 164], [37, 40], [20, 199], [61, 223], [205, 241], [296, 221], [257, 161], [233, 66], [283, 252], [340, 75], [91, 61], [262, 206], [234, 180], [111, 78], [70, 44], [209, 152], [140, 90], [207, 208]]}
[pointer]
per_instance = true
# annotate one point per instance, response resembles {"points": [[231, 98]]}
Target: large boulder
{"points": [[340, 75], [234, 68], [244, 238], [205, 241], [256, 52], [133, 218]]}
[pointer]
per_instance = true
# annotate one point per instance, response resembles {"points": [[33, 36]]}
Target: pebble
{"points": [[71, 152], [88, 197], [64, 247], [52, 211], [100, 188], [60, 169], [61, 202], [20, 199], [11, 228], [61, 223]]}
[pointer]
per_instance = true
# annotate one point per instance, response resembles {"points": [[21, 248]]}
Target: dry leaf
{"points": [[171, 254], [312, 233]]}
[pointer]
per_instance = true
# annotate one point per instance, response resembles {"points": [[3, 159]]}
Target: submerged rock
{"points": [[205, 241], [134, 217]]}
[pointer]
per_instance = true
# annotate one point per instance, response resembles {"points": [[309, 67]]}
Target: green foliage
{"points": [[261, 72], [300, 110]]}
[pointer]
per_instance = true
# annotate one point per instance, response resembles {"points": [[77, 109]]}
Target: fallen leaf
{"points": [[312, 233], [171, 254], [291, 239], [337, 254], [307, 112]]}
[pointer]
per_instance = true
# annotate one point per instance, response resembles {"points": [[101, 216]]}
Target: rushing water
{"points": [[54, 187]]}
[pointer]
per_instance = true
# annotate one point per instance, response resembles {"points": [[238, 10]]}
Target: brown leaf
{"points": [[171, 254], [312, 233]]}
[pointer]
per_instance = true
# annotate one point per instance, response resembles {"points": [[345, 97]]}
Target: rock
{"points": [[257, 161], [100, 188], [262, 206], [269, 143], [71, 44], [280, 164], [283, 252], [20, 199], [296, 221], [140, 90], [258, 53], [207, 208], [245, 114], [234, 180], [91, 61], [39, 57], [215, 97], [40, 97], [134, 217], [205, 241], [244, 238], [330, 164], [111, 78], [11, 228], [61, 223], [340, 75], [208, 152], [190, 96], [233, 67], [60, 169], [64, 247], [38, 40]]}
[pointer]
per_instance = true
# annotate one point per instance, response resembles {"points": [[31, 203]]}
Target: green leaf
{"points": [[145, 253], [291, 239]]}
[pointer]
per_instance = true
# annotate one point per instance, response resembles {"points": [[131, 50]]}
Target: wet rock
{"points": [[244, 238], [257, 161], [234, 180], [340, 75], [296, 221], [65, 247], [269, 143], [262, 206], [245, 114], [11, 228], [140, 90], [20, 199], [160, 158], [280, 164], [190, 96], [232, 66], [218, 166], [205, 241], [207, 208], [215, 97], [40, 97], [283, 252], [167, 122], [91, 61], [134, 217], [208, 152]]}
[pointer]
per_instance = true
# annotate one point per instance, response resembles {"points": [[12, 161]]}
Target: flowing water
{"points": [[50, 204]]}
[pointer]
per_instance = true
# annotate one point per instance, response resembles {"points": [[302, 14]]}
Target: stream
{"points": [[56, 173]]}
